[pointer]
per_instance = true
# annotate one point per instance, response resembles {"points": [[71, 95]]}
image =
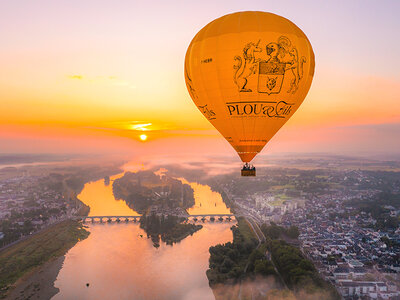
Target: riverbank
{"points": [[29, 266], [39, 283]]}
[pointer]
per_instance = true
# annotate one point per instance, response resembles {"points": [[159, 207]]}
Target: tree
{"points": [[264, 267], [273, 231], [226, 265], [293, 232]]}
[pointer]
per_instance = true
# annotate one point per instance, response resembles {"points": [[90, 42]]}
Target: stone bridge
{"points": [[195, 218]]}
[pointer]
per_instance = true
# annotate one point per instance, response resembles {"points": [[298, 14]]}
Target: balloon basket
{"points": [[248, 172]]}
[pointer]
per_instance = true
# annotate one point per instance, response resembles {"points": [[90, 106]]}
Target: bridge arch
{"points": [[195, 218]]}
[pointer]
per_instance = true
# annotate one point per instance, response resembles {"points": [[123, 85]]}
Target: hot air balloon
{"points": [[247, 73]]}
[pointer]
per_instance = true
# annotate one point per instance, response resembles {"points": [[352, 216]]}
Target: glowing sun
{"points": [[143, 137]]}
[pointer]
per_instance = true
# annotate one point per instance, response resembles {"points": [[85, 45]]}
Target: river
{"points": [[119, 262]]}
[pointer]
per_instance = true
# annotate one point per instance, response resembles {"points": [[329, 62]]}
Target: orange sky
{"points": [[82, 77]]}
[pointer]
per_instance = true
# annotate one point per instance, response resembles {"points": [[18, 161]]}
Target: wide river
{"points": [[119, 262]]}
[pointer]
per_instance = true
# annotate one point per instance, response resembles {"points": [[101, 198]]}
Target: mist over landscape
{"points": [[199, 150], [292, 197]]}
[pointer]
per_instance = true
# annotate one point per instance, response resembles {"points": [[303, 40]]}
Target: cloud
{"points": [[141, 127], [80, 77], [111, 80]]}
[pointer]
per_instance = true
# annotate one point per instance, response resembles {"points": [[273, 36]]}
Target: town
{"points": [[348, 222], [34, 197], [347, 218]]}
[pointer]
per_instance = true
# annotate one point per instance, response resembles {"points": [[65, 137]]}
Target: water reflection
{"points": [[100, 198], [206, 200], [119, 264]]}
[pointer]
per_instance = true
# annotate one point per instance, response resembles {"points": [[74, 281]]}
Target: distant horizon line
{"points": [[364, 155]]}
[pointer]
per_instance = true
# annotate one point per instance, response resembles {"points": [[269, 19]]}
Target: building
{"points": [[358, 288]]}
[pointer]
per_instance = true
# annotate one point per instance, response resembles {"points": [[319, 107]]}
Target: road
{"points": [[261, 238], [253, 222]]}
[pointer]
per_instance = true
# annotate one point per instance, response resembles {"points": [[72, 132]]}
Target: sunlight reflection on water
{"points": [[119, 262], [102, 202]]}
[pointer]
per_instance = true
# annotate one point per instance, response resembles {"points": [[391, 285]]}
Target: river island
{"points": [[147, 193]]}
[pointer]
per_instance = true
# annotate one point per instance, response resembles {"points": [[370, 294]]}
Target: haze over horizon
{"points": [[92, 77]]}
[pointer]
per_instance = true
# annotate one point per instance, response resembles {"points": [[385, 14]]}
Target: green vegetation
{"points": [[274, 231], [245, 231], [169, 229], [143, 189], [280, 200], [298, 272], [244, 260], [14, 230], [28, 254], [239, 259], [259, 263], [283, 187], [376, 207], [51, 195]]}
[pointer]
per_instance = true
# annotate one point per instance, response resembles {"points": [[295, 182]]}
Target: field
{"points": [[23, 257], [245, 229], [278, 202]]}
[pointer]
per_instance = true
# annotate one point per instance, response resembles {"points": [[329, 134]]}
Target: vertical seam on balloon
{"points": [[240, 34], [217, 42], [201, 73], [232, 128], [258, 94], [265, 125]]}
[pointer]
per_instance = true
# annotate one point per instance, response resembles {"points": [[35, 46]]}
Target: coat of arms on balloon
{"points": [[274, 62]]}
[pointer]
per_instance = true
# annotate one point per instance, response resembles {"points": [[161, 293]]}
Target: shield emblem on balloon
{"points": [[270, 77]]}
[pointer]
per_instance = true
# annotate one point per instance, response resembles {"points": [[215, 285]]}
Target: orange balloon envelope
{"points": [[248, 72]]}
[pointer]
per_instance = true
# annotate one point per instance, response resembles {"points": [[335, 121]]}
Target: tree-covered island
{"points": [[159, 198], [169, 229], [146, 192]]}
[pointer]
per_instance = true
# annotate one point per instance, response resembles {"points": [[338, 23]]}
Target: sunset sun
{"points": [[143, 137]]}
